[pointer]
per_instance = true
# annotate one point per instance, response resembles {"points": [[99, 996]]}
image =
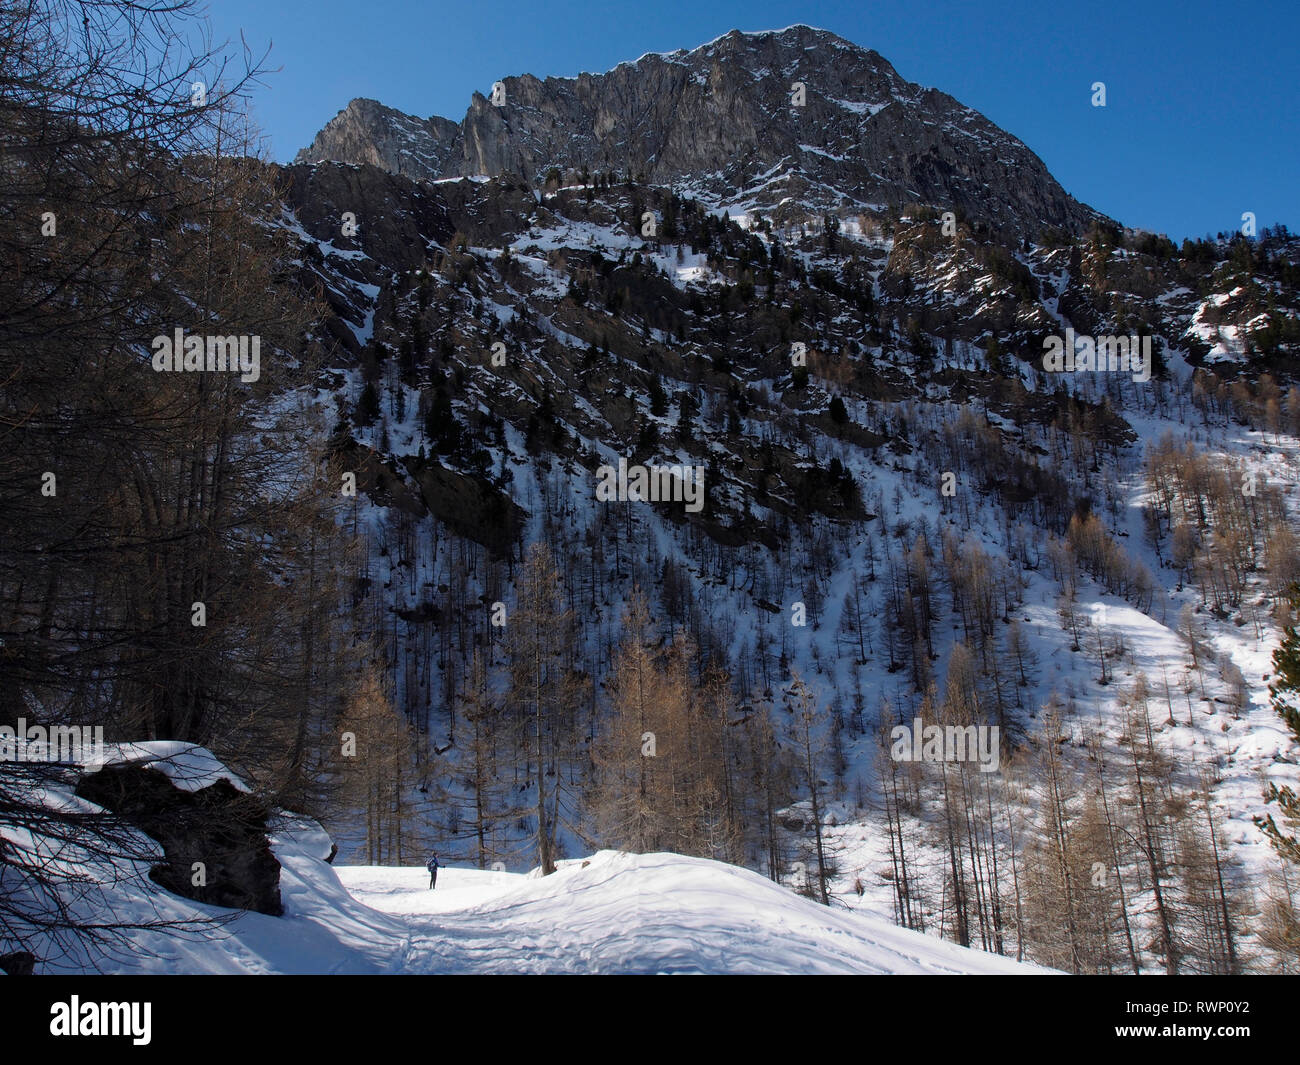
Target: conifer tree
{"points": [[1285, 690]]}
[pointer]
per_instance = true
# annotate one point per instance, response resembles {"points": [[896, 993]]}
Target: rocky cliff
{"points": [[723, 121]]}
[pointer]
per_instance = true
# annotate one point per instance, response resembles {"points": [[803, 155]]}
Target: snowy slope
{"points": [[644, 913], [611, 913]]}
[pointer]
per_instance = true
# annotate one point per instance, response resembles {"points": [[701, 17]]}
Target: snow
{"points": [[1241, 747], [188, 766], [1226, 342], [820, 151], [754, 33], [610, 913], [642, 913], [863, 108]]}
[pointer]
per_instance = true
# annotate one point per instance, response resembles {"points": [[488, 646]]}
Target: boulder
{"points": [[215, 847]]}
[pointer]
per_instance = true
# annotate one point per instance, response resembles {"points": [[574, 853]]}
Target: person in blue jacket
{"points": [[432, 866]]}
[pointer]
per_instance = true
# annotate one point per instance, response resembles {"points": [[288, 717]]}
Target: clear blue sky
{"points": [[1203, 98]]}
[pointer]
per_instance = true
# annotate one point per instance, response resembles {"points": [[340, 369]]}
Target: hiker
{"points": [[432, 866]]}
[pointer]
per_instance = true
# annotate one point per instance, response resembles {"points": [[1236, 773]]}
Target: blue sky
{"points": [[1202, 117]]}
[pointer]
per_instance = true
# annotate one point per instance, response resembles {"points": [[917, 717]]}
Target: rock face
{"points": [[720, 120], [368, 132], [402, 221], [219, 826]]}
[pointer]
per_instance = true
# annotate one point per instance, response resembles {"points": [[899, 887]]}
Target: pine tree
{"points": [[810, 749], [658, 397], [368, 404], [375, 749], [1286, 701], [627, 751], [543, 688]]}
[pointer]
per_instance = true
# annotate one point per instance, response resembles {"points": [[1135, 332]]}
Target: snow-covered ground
{"points": [[609, 913], [1196, 719], [642, 913]]}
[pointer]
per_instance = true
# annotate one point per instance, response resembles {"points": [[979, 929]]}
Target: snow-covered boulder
{"points": [[212, 829]]}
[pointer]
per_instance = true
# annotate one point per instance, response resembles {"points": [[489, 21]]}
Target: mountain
{"points": [[900, 500], [718, 121], [400, 579]]}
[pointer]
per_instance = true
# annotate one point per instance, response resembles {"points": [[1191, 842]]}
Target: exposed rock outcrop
{"points": [[720, 118], [215, 848]]}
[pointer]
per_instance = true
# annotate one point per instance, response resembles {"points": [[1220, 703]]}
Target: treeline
{"points": [[657, 754], [170, 560], [1260, 403], [1219, 521], [1083, 853]]}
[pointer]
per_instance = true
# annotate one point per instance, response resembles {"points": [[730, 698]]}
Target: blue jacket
{"points": [[432, 863]]}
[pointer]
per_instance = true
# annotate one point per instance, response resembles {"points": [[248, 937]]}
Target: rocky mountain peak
{"points": [[794, 119]]}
